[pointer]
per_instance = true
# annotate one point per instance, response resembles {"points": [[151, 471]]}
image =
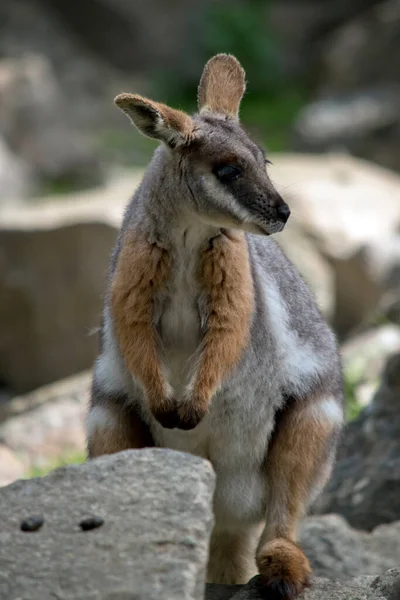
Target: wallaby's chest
{"points": [[179, 319]]}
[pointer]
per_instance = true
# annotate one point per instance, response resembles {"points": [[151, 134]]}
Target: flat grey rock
{"points": [[214, 591], [156, 506], [385, 587]]}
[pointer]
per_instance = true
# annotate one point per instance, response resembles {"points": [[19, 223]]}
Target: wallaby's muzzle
{"points": [[282, 215], [269, 217]]}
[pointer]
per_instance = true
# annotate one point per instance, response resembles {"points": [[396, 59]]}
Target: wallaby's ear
{"points": [[222, 86], [157, 120]]}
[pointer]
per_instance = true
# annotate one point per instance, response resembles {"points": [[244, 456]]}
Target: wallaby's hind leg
{"points": [[299, 462], [112, 426]]}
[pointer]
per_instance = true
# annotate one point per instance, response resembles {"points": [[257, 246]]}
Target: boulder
{"points": [[11, 468], [374, 269], [28, 29], [156, 511], [351, 210], [313, 266], [353, 122], [16, 179], [53, 263], [357, 87], [45, 428], [107, 47], [338, 551], [32, 106], [385, 587], [365, 485]]}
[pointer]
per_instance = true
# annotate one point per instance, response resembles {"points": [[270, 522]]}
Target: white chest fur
{"points": [[180, 326]]}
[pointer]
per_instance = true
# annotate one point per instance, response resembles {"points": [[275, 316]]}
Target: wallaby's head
{"points": [[223, 169]]}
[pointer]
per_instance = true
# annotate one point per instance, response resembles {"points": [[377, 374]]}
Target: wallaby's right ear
{"points": [[222, 86], [157, 120]]}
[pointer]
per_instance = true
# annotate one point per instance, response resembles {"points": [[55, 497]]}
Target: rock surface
{"points": [[156, 510], [365, 485], [44, 428], [364, 357], [347, 207], [353, 121], [385, 587], [53, 263], [15, 175], [11, 468], [156, 506], [358, 85], [32, 107], [337, 551]]}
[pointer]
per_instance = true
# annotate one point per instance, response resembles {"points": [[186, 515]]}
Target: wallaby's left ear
{"points": [[222, 86], [157, 120]]}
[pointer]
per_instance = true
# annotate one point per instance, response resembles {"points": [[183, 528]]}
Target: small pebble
{"points": [[91, 523], [32, 523]]}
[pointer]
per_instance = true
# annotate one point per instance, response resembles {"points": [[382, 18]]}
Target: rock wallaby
{"points": [[211, 343]]}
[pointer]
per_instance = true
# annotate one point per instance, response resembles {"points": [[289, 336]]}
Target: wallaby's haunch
{"points": [[211, 343]]}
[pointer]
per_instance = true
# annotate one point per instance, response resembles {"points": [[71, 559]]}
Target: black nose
{"points": [[283, 212]]}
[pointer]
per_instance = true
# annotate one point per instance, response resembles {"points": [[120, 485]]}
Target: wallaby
{"points": [[211, 343]]}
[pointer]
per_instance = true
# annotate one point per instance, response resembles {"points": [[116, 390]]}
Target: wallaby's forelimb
{"points": [[225, 274], [228, 291], [141, 271]]}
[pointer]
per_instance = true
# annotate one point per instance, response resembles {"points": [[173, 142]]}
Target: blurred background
{"points": [[323, 98]]}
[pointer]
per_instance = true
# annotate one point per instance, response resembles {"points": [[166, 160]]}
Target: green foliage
{"points": [[243, 30], [269, 119], [71, 458], [352, 408], [125, 146]]}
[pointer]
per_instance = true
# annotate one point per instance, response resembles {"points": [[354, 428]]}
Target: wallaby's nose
{"points": [[283, 212]]}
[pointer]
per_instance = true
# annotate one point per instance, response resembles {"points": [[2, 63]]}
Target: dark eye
{"points": [[268, 162], [226, 173]]}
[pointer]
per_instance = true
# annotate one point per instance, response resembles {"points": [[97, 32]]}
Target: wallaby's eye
{"points": [[226, 173]]}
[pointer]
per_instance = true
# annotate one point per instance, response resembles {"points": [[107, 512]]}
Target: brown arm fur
{"points": [[142, 270], [226, 279]]}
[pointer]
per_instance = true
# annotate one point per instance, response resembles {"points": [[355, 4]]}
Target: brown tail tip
{"points": [[284, 569]]}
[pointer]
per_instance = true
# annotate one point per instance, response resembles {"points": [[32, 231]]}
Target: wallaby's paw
{"points": [[173, 416], [190, 415], [166, 413], [284, 569]]}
